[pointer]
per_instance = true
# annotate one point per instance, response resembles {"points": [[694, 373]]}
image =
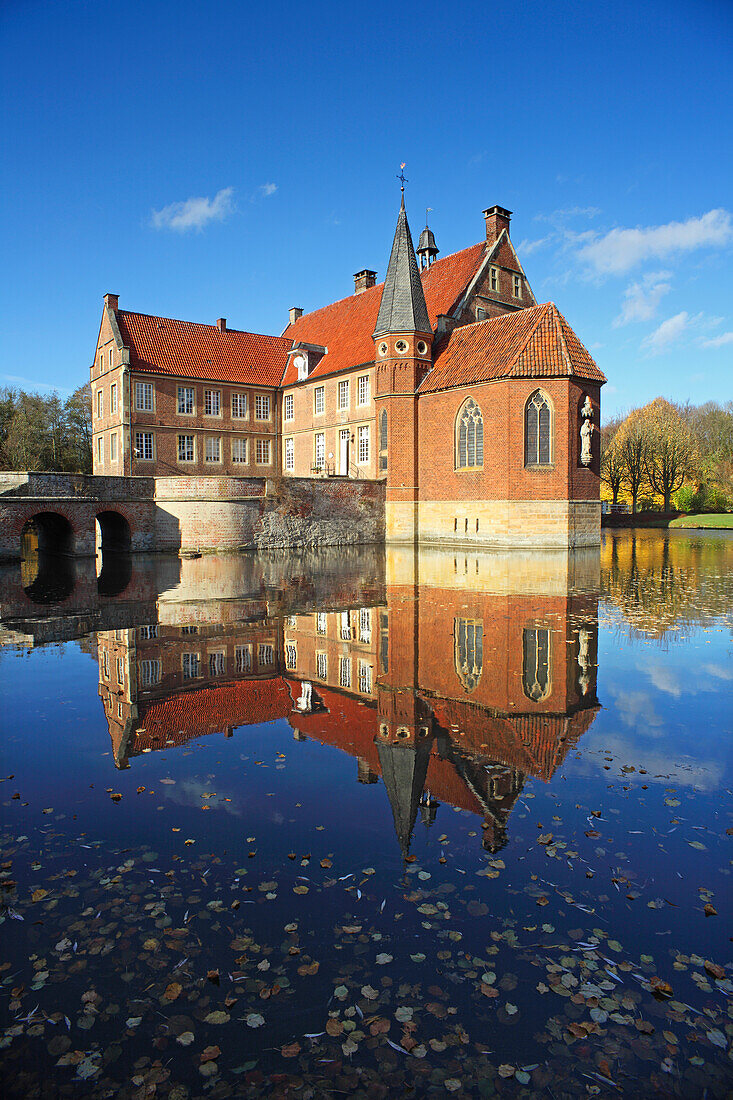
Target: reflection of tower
{"points": [[404, 770], [118, 688]]}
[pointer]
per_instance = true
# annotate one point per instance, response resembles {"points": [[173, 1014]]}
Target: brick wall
{"points": [[305, 423]]}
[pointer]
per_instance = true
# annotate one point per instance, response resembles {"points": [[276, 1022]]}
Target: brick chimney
{"points": [[295, 313], [364, 280], [497, 218], [111, 301], [221, 324]]}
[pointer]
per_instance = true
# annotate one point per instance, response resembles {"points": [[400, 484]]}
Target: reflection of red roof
{"points": [[346, 327], [191, 350], [180, 718], [536, 342]]}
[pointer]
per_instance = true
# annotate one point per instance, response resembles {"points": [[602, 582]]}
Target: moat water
{"points": [[368, 823]]}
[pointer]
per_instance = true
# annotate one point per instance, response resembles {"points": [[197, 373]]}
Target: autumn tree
{"points": [[612, 466], [632, 446], [670, 455]]}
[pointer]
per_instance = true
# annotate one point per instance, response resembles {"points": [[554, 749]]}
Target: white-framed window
{"points": [[517, 286], [149, 673], [240, 406], [120, 670], [243, 658], [239, 449], [212, 449], [145, 633], [291, 656], [262, 406], [363, 441], [494, 278], [262, 452], [321, 622], [217, 662], [319, 400], [363, 392], [265, 655], [290, 454], [144, 396], [345, 672], [212, 402], [343, 394], [345, 626], [113, 398], [319, 449], [100, 450], [186, 401], [100, 403], [288, 407], [321, 666], [101, 361], [186, 452], [365, 625], [190, 665], [113, 447], [365, 677]]}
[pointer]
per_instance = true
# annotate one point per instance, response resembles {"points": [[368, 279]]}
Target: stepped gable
{"points": [[189, 350], [536, 342], [345, 327]]}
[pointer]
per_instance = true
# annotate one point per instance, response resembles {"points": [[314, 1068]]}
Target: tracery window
{"points": [[536, 679], [537, 430], [468, 641], [470, 437]]}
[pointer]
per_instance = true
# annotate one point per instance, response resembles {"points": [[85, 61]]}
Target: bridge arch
{"points": [[46, 566], [46, 533], [114, 535]]}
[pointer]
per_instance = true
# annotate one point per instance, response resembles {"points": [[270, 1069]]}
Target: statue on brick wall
{"points": [[586, 432]]}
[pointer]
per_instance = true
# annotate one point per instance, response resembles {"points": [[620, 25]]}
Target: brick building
{"points": [[477, 406]]}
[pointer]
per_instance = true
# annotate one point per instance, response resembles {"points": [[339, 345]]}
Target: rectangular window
{"points": [[185, 405], [185, 448], [365, 625], [291, 657], [265, 655], [212, 402], [217, 663], [343, 400], [494, 278], [290, 454], [101, 361], [100, 403], [480, 314], [364, 389], [100, 450], [113, 447], [212, 449], [105, 662], [262, 406], [345, 627], [365, 677], [144, 396], [363, 435], [319, 400], [239, 449], [320, 450], [190, 628], [240, 406], [345, 672], [190, 664], [262, 452], [243, 658], [288, 407], [321, 622], [321, 666], [517, 286], [145, 633], [113, 397], [110, 356], [120, 671], [149, 673]]}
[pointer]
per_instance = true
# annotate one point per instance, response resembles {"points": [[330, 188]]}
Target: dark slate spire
{"points": [[402, 308], [404, 771]]}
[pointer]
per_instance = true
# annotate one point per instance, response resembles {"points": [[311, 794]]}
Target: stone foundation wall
{"points": [[541, 524]]}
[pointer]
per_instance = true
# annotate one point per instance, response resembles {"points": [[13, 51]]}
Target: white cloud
{"points": [[267, 189], [195, 213], [669, 332], [526, 248], [719, 341], [641, 300], [621, 249]]}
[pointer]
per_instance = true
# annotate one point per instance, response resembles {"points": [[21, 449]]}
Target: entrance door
{"points": [[344, 451]]}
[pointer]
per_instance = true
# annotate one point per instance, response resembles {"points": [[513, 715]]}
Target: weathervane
{"points": [[401, 177]]}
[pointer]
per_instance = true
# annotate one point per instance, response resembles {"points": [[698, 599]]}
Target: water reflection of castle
{"points": [[476, 673]]}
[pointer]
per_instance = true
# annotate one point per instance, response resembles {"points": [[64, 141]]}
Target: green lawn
{"points": [[715, 520]]}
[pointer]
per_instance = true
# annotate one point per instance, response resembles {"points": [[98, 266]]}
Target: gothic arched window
{"points": [[537, 430], [469, 437], [468, 642], [536, 679], [383, 440]]}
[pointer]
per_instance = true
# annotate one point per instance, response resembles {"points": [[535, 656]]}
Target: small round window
{"points": [[383, 349], [422, 347], [401, 346]]}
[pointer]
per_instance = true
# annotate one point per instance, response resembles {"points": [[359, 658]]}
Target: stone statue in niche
{"points": [[586, 431]]}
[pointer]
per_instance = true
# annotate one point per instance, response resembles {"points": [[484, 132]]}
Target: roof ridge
{"points": [[202, 324]]}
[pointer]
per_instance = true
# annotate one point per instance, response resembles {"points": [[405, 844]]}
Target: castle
{"points": [[475, 406]]}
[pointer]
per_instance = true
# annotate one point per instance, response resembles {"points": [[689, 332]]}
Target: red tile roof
{"points": [[346, 327], [536, 342], [190, 350]]}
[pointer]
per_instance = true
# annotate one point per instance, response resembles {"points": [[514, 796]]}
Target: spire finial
{"points": [[428, 210], [402, 179]]}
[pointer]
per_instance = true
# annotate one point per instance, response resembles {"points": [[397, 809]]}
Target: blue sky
{"points": [[227, 159]]}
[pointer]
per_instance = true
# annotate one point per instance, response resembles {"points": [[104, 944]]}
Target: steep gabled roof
{"points": [[345, 327], [536, 342], [191, 350], [402, 308]]}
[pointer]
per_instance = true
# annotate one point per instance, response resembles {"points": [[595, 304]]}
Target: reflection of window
{"points": [[470, 437], [105, 663], [190, 628], [365, 677], [365, 625], [265, 655], [120, 671], [291, 656], [344, 672], [243, 658], [190, 665], [321, 622], [536, 666], [537, 430], [384, 641], [468, 635], [216, 663], [321, 666], [149, 673], [147, 632], [345, 627]]}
